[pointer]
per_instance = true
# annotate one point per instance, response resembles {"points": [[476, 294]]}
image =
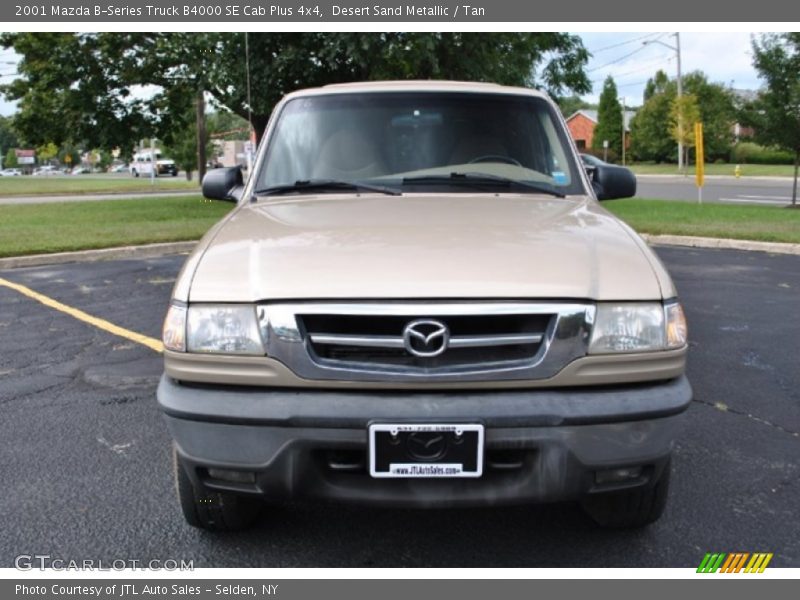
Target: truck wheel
{"points": [[629, 509], [214, 511]]}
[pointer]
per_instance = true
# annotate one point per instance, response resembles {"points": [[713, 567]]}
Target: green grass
{"points": [[64, 226], [761, 223], [28, 185], [715, 169]]}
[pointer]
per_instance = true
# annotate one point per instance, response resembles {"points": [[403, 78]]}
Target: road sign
{"points": [[700, 167]]}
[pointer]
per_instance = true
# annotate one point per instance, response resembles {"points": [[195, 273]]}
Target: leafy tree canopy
{"points": [[776, 114], [84, 86], [8, 137], [651, 128]]}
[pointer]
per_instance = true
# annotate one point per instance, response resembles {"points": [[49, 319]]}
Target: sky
{"points": [[726, 57]]}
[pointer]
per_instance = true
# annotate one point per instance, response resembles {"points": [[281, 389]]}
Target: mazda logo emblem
{"points": [[426, 445], [426, 338]]}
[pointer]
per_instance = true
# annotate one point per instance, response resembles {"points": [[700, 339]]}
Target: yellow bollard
{"points": [[737, 171]]}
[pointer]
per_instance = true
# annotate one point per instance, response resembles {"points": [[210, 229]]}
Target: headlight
{"points": [[628, 327], [174, 332], [223, 329], [677, 332]]}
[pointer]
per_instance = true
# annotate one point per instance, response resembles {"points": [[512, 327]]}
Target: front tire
{"points": [[632, 508], [213, 511]]}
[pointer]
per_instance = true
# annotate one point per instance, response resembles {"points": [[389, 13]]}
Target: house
{"points": [[582, 123], [231, 153]]}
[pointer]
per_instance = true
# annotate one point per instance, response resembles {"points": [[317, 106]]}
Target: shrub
{"points": [[754, 154]]}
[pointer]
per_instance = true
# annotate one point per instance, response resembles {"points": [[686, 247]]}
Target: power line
{"points": [[626, 42], [650, 65], [623, 57], [633, 84]]}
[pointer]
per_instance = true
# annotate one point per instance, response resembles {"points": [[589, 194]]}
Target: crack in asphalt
{"points": [[725, 408]]}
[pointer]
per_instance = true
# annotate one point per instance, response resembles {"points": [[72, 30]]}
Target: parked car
{"points": [[80, 170], [45, 171], [10, 173], [123, 168], [419, 302], [592, 161]]}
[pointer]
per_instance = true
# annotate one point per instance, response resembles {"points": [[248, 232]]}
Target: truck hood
{"points": [[423, 246]]}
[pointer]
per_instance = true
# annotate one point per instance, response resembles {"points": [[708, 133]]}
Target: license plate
{"points": [[411, 450]]}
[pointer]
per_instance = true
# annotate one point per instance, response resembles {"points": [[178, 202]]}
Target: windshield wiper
{"points": [[318, 185], [481, 180]]}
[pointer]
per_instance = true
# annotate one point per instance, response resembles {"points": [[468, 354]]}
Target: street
{"points": [[86, 464], [763, 191]]}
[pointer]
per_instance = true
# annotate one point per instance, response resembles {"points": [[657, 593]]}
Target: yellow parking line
{"points": [[144, 340]]}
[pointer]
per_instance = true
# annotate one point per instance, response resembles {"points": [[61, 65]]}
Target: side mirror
{"points": [[611, 182], [223, 184]]}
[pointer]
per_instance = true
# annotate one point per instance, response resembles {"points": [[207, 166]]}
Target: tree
{"points": [[80, 85], [11, 161], [69, 154], [776, 57], [224, 125], [717, 106], [99, 159], [571, 104], [650, 139], [8, 137], [683, 114], [609, 119], [651, 136], [182, 145], [75, 86], [46, 152], [656, 85]]}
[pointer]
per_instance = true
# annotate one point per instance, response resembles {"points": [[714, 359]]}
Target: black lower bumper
{"points": [[540, 445]]}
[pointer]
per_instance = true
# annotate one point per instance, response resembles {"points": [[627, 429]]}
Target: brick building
{"points": [[582, 123]]}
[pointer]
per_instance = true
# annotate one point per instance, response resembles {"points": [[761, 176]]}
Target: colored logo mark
{"points": [[736, 562]]}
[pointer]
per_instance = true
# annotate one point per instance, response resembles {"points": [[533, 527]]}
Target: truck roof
{"points": [[417, 85]]}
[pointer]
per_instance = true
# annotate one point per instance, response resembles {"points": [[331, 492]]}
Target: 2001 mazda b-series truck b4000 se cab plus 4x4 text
{"points": [[419, 301]]}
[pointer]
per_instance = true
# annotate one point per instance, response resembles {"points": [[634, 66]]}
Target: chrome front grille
{"points": [[426, 342], [471, 340]]}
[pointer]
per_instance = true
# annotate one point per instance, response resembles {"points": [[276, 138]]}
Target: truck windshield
{"points": [[421, 141]]}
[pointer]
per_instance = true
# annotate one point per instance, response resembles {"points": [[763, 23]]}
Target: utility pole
{"points": [[677, 49], [201, 134], [153, 162], [623, 131], [680, 94]]}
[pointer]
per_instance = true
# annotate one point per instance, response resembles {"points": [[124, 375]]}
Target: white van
{"points": [[142, 164]]}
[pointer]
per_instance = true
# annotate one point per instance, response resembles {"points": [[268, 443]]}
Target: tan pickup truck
{"points": [[419, 301]]}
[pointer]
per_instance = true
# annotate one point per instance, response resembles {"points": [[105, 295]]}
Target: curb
{"points": [[145, 251], [721, 243]]}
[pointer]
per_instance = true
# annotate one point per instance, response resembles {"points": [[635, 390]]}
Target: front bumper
{"points": [[540, 445]]}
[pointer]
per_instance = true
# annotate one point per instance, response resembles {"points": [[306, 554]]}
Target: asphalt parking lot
{"points": [[85, 461]]}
